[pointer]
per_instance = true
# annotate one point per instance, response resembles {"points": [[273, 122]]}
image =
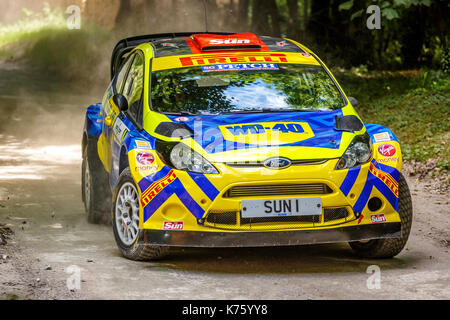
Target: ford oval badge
{"points": [[277, 163]]}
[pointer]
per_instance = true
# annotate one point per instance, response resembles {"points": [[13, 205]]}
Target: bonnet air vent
{"points": [[173, 130], [349, 123]]}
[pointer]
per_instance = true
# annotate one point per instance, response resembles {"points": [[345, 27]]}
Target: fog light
{"points": [[375, 204]]}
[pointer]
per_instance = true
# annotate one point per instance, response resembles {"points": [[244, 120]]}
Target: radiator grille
{"points": [[334, 214], [277, 190], [234, 220], [303, 219], [222, 217], [258, 164]]}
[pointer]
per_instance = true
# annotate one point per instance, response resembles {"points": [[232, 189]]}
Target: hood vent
{"points": [[238, 41]]}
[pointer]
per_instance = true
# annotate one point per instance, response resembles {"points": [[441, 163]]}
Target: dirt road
{"points": [[53, 243]]}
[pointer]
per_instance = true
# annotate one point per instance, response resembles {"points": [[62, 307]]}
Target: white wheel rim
{"points": [[127, 213], [87, 185]]}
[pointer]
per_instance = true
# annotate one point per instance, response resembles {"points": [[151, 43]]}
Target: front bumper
{"points": [[276, 238], [189, 200]]}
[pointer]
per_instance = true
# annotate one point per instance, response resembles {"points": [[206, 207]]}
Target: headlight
{"points": [[182, 157], [359, 152]]}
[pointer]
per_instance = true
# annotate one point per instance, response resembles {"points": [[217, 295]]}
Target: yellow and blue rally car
{"points": [[233, 140]]}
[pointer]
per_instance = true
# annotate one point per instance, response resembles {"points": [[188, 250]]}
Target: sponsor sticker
{"points": [[119, 129], [147, 170], [181, 119], [157, 187], [386, 178], [388, 160], [270, 133], [145, 158], [247, 58], [229, 41], [168, 44], [240, 66], [143, 144], [305, 54], [380, 137], [378, 218], [386, 150], [173, 225]]}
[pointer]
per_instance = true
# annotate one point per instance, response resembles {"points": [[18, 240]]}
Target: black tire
{"points": [[95, 190], [388, 248], [135, 251]]}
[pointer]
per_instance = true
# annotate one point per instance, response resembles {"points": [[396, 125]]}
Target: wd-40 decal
{"points": [[267, 133], [239, 67], [218, 133]]}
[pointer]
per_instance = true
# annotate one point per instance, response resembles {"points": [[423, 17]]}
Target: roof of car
{"points": [[186, 45], [173, 44]]}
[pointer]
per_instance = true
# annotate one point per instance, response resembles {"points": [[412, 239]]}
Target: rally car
{"points": [[237, 140]]}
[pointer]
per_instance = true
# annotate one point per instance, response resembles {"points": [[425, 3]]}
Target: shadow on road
{"points": [[324, 258]]}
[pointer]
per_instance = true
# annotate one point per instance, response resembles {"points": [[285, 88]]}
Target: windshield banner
{"points": [[240, 66]]}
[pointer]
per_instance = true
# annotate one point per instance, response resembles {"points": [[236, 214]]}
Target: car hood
{"points": [[257, 136]]}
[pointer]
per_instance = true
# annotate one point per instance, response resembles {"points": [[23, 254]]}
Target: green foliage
{"points": [[445, 63], [43, 41], [413, 104]]}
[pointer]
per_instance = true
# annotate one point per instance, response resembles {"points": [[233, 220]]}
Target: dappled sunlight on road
{"points": [[26, 160]]}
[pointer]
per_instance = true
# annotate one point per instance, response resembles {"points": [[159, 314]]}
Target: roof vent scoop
{"points": [[237, 41]]}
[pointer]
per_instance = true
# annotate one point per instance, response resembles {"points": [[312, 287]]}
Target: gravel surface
{"points": [[53, 245]]}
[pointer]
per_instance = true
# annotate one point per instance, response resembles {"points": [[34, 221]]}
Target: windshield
{"points": [[216, 89]]}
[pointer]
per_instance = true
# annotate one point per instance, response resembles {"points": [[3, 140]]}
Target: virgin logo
{"points": [[387, 150], [145, 158]]}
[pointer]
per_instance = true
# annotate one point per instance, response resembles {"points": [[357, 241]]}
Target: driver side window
{"points": [[133, 89], [121, 76]]}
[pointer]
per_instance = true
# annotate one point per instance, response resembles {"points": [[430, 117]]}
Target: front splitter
{"points": [[272, 238]]}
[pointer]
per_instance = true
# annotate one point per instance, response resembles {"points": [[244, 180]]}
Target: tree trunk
{"points": [[124, 12], [260, 17], [319, 22], [243, 15], [293, 22], [274, 17], [413, 37]]}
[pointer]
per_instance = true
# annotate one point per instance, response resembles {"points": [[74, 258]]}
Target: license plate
{"points": [[281, 207]]}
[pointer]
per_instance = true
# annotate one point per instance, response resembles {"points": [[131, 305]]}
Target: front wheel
{"points": [[388, 248], [126, 222]]}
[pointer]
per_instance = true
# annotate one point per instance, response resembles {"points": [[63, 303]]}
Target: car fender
{"points": [[385, 146]]}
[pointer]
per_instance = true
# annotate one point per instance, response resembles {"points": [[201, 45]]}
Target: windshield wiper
{"points": [[180, 113], [272, 111]]}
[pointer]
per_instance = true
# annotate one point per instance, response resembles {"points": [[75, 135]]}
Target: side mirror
{"points": [[353, 102], [121, 102]]}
